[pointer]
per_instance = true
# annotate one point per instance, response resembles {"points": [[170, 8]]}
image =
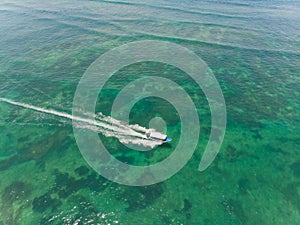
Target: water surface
{"points": [[253, 48]]}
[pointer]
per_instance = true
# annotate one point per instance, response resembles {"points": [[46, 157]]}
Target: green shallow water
{"points": [[251, 47]]}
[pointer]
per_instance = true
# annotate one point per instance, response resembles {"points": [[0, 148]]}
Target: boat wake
{"points": [[106, 125]]}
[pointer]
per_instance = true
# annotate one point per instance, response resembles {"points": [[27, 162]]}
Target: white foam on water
{"points": [[106, 125]]}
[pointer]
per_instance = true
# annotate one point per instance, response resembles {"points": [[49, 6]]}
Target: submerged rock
{"points": [[44, 202], [82, 170], [16, 191], [295, 167], [234, 207], [231, 153], [141, 197], [290, 192], [14, 201], [244, 185], [39, 150]]}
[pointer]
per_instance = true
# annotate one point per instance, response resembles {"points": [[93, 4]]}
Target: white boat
{"points": [[158, 136]]}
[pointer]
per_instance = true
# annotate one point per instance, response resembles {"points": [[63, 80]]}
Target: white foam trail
{"points": [[106, 125], [139, 128], [123, 138], [132, 130], [128, 129], [53, 112], [136, 141]]}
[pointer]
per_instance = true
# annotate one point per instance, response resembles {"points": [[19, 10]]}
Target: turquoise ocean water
{"points": [[253, 49]]}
